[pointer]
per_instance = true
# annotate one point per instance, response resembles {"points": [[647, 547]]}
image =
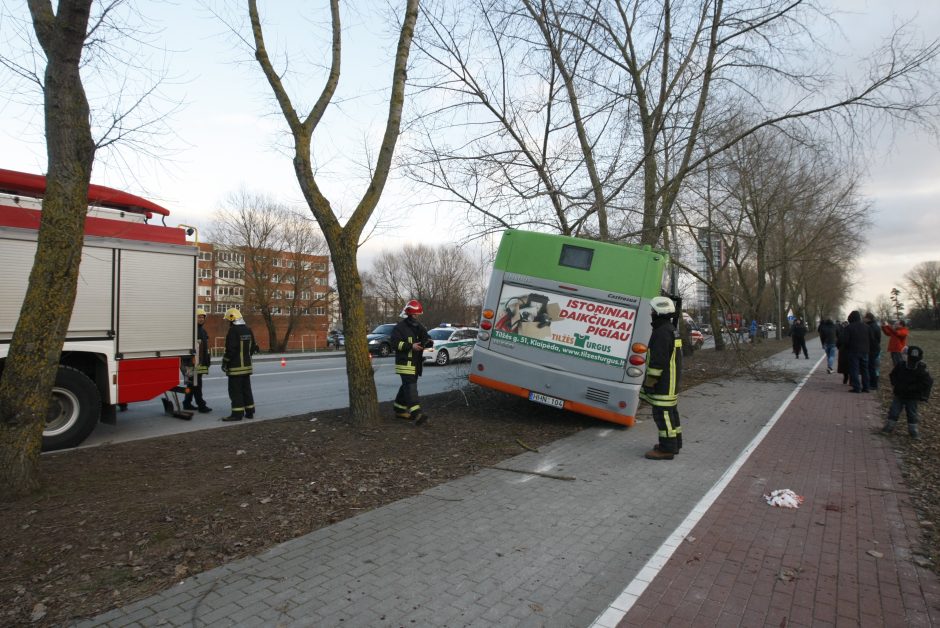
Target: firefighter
{"points": [[409, 339], [661, 386], [202, 367], [236, 363]]}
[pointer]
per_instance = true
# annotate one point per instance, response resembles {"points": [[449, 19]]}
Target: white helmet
{"points": [[663, 306]]}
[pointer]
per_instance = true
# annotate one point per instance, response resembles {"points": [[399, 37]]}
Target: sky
{"points": [[228, 133]]}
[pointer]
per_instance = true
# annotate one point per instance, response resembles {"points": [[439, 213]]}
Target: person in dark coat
{"points": [[827, 336], [200, 368], [240, 345], [874, 350], [409, 340], [857, 344], [661, 386], [798, 336], [842, 354], [911, 384]]}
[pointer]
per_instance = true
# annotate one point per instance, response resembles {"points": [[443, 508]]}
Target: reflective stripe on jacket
{"points": [[407, 332], [664, 361]]}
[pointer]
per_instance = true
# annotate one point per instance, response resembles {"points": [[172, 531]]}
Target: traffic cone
{"points": [[283, 361]]}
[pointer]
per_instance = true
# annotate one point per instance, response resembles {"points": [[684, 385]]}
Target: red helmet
{"points": [[413, 307]]}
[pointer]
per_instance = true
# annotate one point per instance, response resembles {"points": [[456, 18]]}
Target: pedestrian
{"points": [[410, 339], [897, 339], [857, 344], [753, 330], [236, 364], [661, 385], [200, 368], [874, 350], [911, 384], [842, 354], [827, 336], [798, 336]]}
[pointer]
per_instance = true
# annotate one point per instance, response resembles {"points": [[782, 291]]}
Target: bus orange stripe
{"points": [[574, 406]]}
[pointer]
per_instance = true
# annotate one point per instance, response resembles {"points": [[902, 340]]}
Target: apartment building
{"points": [[292, 287]]}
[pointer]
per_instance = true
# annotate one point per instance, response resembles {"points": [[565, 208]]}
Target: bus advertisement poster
{"points": [[565, 324]]}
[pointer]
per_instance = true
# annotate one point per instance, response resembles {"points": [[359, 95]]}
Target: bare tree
{"points": [[444, 279], [78, 37], [923, 282], [29, 372], [588, 117], [343, 240], [273, 243]]}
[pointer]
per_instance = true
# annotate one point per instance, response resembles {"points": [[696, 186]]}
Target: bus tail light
{"points": [[639, 347], [488, 313], [637, 360], [622, 405], [484, 336], [484, 324], [634, 371]]}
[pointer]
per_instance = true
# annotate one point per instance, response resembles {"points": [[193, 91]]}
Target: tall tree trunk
{"points": [[363, 398], [30, 369]]}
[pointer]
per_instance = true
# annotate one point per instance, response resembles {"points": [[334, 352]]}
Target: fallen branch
{"points": [[890, 490], [524, 446], [566, 478]]}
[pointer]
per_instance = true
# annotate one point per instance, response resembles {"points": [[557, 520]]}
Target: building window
{"points": [[305, 295], [275, 278], [229, 291], [205, 291], [276, 262], [289, 295], [205, 273], [224, 273], [205, 256], [228, 256], [276, 311], [319, 311], [320, 281]]}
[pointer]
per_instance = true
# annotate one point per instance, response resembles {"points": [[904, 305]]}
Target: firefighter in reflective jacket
{"points": [[409, 339], [661, 386], [236, 363]]}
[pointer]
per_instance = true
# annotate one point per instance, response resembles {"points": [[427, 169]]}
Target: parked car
{"points": [[705, 328], [450, 344], [697, 338], [335, 339], [769, 327], [380, 340]]}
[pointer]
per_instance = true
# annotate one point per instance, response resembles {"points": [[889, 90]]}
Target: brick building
{"points": [[229, 279]]}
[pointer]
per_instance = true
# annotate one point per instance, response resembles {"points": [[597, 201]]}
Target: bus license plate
{"points": [[548, 401]]}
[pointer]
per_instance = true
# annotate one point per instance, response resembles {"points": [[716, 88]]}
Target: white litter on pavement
{"points": [[784, 498]]}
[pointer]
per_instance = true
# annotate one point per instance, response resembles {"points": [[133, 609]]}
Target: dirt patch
{"points": [[119, 522]]}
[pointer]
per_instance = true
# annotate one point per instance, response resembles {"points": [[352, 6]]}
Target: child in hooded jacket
{"points": [[912, 384]]}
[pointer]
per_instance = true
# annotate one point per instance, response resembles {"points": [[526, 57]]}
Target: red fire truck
{"points": [[134, 311]]}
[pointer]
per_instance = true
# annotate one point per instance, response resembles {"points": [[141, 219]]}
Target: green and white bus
{"points": [[565, 322]]}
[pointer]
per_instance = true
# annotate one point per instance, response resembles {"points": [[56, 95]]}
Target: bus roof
{"points": [[626, 268], [34, 185]]}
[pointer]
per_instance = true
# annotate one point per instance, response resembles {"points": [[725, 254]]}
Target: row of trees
{"points": [[599, 118]]}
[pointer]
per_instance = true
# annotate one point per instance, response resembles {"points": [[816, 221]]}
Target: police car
{"points": [[450, 344]]}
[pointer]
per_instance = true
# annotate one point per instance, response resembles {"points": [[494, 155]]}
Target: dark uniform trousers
{"points": [[239, 391]]}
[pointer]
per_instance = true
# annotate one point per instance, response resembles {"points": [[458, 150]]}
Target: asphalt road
{"points": [[302, 385]]}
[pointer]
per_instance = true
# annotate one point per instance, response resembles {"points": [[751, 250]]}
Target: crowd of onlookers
{"points": [[853, 348]]}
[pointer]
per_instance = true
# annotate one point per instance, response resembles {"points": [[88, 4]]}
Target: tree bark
{"points": [[30, 369]]}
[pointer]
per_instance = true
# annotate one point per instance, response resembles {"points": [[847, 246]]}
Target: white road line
{"points": [[619, 608]]}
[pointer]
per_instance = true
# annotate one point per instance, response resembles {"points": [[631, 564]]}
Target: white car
{"points": [[450, 344]]}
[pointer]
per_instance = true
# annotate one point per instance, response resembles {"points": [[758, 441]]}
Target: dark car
{"points": [[380, 340]]}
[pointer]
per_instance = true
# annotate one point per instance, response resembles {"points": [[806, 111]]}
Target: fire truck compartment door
{"points": [[91, 315], [155, 308]]}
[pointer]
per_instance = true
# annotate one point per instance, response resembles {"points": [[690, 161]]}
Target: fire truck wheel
{"points": [[73, 412]]}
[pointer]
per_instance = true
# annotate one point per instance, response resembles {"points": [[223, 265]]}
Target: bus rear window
{"points": [[576, 257]]}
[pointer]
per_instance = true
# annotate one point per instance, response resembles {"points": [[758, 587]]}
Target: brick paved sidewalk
{"points": [[844, 558]]}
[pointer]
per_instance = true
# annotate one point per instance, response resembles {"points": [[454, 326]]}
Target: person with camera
{"points": [[410, 339]]}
